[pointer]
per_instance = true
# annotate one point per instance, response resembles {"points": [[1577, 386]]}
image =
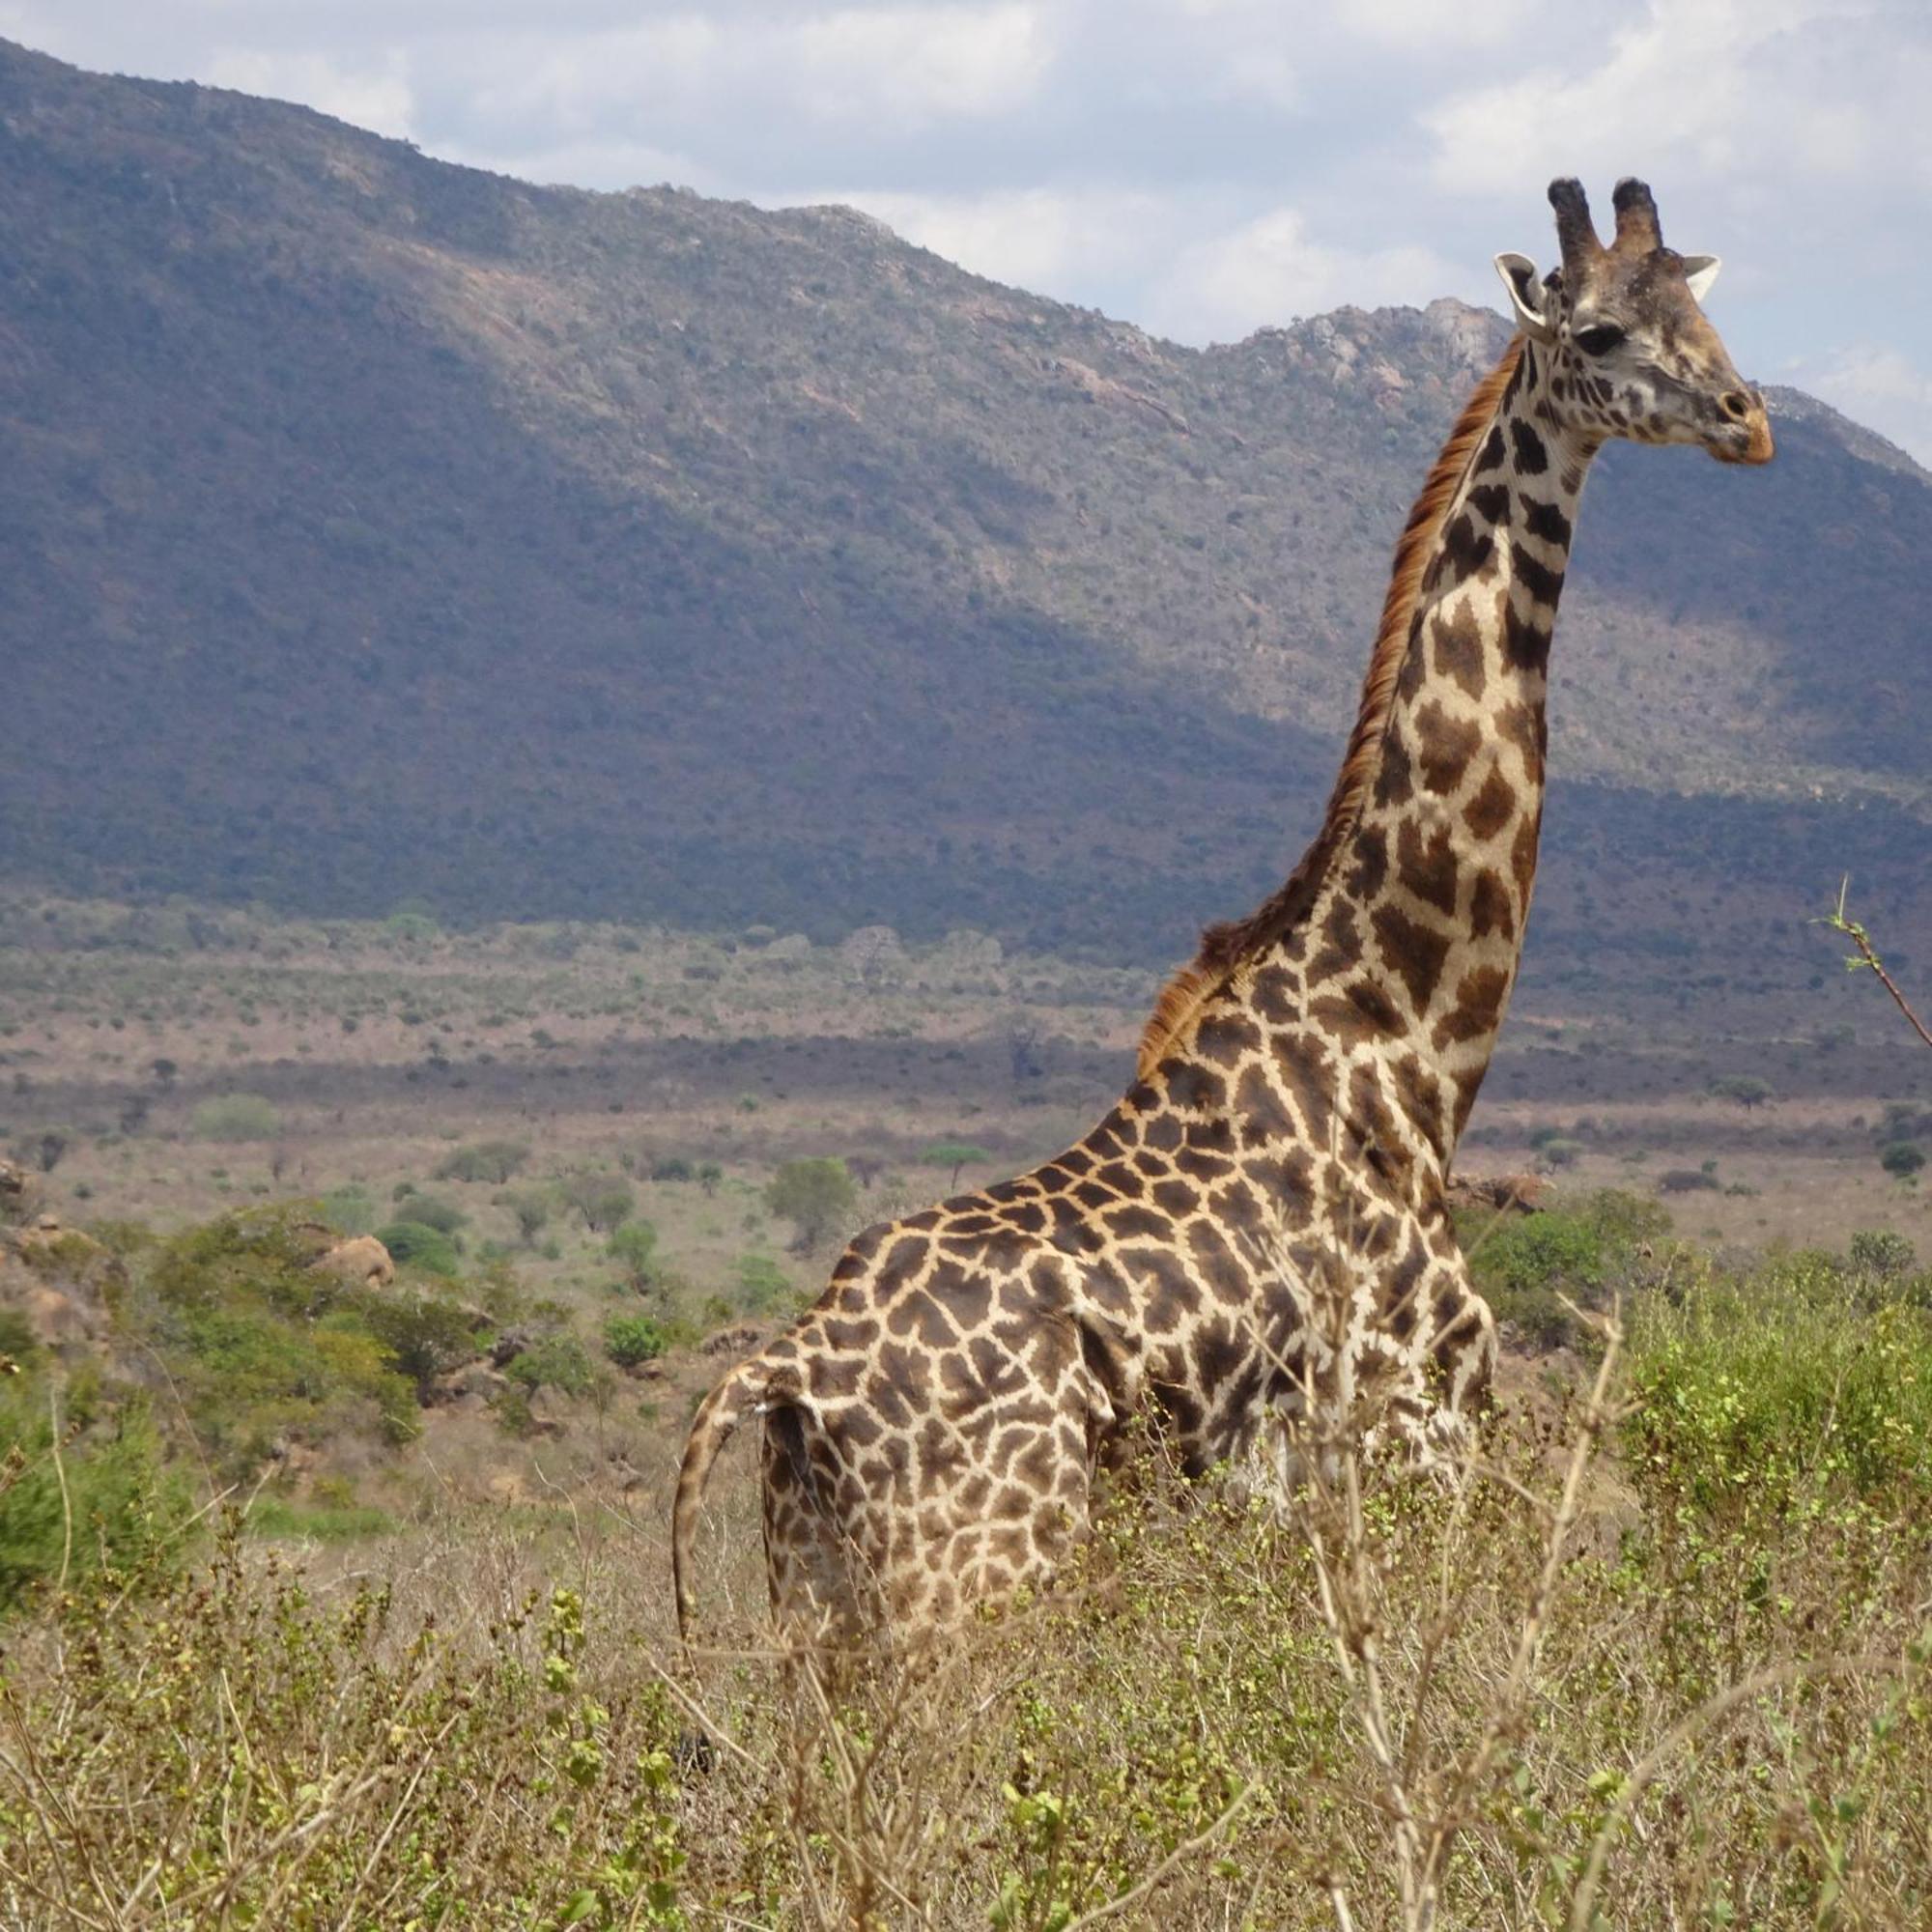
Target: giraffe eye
{"points": [[1598, 338]]}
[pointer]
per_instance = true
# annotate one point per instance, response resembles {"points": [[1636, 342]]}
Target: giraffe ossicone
{"points": [[1261, 1220]]}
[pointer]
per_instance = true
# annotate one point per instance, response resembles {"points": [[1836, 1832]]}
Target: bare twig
{"points": [[1866, 958], [1182, 1852]]}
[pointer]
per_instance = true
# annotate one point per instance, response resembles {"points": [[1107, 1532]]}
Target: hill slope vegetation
{"points": [[380, 529]]}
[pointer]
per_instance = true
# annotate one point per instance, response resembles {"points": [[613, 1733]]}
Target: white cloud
{"points": [[1726, 88], [1432, 25], [1881, 388], [684, 80], [1270, 269], [915, 62], [374, 95]]}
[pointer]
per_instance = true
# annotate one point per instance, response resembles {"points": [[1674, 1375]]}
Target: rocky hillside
{"points": [[376, 530]]}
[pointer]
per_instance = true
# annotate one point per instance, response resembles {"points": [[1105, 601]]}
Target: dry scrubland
{"points": [[338, 1605]]}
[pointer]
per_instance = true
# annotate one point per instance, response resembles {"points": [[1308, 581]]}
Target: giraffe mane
{"points": [[1226, 947]]}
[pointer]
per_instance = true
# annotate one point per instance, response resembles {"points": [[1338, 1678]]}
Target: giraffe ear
{"points": [[1525, 293], [1700, 272]]}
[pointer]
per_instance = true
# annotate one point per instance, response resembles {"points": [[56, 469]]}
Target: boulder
{"points": [[60, 1280], [361, 1259]]}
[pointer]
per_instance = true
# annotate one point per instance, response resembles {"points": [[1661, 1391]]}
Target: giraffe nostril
{"points": [[1737, 405]]}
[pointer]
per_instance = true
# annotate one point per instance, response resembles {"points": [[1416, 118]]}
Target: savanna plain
{"points": [[335, 1598]]}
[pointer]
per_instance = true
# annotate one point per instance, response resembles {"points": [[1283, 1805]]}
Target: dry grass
{"points": [[1570, 1695]]}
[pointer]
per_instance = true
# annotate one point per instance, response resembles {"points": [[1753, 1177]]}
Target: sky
{"points": [[1201, 167]]}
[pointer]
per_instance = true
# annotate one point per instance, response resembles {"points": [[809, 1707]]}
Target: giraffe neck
{"points": [[1414, 931]]}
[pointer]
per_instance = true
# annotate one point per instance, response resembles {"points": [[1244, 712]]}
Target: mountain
{"points": [[375, 528]]}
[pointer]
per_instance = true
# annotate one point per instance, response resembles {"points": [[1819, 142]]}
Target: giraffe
{"points": [[934, 1424]]}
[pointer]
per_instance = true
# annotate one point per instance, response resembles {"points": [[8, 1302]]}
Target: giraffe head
{"points": [[1631, 353]]}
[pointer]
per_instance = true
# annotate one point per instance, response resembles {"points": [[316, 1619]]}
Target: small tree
{"points": [[954, 1154], [600, 1199], [532, 1208], [634, 1246], [485, 1160], [816, 1195], [1745, 1088], [709, 1174]]}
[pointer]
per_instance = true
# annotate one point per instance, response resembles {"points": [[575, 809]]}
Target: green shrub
{"points": [[633, 1339], [236, 1117], [427, 1212], [762, 1285], [671, 1168], [602, 1199], [530, 1207], [17, 1343], [1768, 1390], [1527, 1265], [1882, 1254], [485, 1160], [349, 1209], [414, 1244], [559, 1361], [426, 1336], [633, 1245], [124, 1506], [1901, 1159]]}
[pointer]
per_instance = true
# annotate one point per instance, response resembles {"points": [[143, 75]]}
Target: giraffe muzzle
{"points": [[1745, 436]]}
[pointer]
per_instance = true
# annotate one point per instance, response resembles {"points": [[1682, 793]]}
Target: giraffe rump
{"points": [[1224, 946]]}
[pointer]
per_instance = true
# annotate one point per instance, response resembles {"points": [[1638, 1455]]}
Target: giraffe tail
{"points": [[751, 1387]]}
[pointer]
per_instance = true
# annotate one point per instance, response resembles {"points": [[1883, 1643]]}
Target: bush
{"points": [[530, 1207], [124, 1508], [425, 1335], [1527, 1265], [671, 1168], [349, 1209], [602, 1199], [236, 1117], [415, 1244], [1902, 1159], [1882, 1254], [427, 1212], [815, 1196], [635, 1245], [557, 1360], [761, 1284], [629, 1340], [485, 1160], [1760, 1392]]}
